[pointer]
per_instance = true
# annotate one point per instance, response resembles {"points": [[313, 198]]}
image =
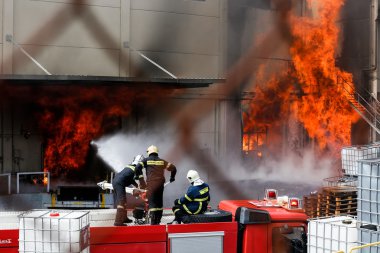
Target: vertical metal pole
{"points": [[9, 183], [18, 186], [48, 181], [111, 180]]}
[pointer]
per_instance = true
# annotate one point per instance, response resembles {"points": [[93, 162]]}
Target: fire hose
{"points": [[131, 190]]}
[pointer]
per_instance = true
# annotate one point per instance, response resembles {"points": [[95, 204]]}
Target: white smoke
{"points": [[119, 150], [303, 171], [290, 168]]}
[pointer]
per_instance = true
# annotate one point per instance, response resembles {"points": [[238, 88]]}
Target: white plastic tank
{"points": [[54, 231], [326, 235]]}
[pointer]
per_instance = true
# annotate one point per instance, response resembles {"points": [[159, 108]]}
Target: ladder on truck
{"points": [[364, 103]]}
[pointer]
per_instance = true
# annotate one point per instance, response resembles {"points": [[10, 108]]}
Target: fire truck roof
{"points": [[276, 212]]}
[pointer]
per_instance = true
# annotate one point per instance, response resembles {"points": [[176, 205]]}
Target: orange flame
{"points": [[45, 181], [70, 120], [321, 106], [253, 141]]}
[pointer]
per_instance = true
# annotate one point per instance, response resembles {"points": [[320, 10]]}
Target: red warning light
{"points": [[54, 214]]}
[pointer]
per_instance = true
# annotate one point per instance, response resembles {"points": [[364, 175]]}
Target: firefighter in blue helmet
{"points": [[155, 179], [123, 179], [195, 201]]}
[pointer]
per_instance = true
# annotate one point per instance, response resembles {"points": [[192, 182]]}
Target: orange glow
{"points": [[45, 180], [318, 102], [253, 141], [72, 118]]}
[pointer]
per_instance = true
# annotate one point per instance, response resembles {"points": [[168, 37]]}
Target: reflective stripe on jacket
{"points": [[196, 199]]}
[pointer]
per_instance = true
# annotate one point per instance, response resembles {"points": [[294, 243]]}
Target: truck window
{"points": [[288, 240]]}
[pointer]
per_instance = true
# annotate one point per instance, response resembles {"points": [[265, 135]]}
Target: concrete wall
{"points": [[91, 37]]}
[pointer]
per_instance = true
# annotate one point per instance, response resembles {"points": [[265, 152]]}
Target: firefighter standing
{"points": [[195, 201], [123, 179], [155, 179]]}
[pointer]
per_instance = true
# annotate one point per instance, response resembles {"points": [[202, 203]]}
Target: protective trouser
{"points": [[155, 201], [120, 216], [126, 219], [155, 217], [178, 213], [120, 199]]}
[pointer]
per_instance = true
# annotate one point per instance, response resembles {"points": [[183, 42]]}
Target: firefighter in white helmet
{"points": [[155, 179], [123, 179], [195, 201]]}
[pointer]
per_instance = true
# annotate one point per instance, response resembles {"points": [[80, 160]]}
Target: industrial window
{"points": [[254, 141]]}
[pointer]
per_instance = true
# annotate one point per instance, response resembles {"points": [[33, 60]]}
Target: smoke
{"points": [[227, 179], [119, 149], [307, 169]]}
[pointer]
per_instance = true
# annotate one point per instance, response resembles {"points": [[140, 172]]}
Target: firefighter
{"points": [[123, 179], [155, 179], [195, 201]]}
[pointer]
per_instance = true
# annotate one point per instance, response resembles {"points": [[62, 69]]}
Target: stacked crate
{"points": [[352, 155], [337, 200], [369, 204], [357, 192], [340, 200], [310, 204]]}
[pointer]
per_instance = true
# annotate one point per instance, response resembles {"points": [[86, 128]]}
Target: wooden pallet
{"points": [[329, 201]]}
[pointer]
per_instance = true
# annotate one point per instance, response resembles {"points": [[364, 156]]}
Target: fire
{"points": [[318, 101], [70, 119], [45, 180], [253, 141]]}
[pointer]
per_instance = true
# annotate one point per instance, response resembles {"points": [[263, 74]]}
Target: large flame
{"points": [[72, 117], [321, 104]]}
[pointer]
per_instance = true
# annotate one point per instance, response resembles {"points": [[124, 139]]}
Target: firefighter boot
{"points": [[119, 217], [158, 217], [155, 217], [125, 218]]}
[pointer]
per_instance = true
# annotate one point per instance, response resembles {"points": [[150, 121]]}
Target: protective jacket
{"points": [[155, 177], [155, 168], [195, 200], [127, 176]]}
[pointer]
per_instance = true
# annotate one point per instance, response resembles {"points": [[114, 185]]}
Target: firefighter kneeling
{"points": [[195, 200]]}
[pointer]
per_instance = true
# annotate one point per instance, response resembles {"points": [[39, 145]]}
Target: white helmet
{"points": [[152, 149], [137, 159], [192, 175]]}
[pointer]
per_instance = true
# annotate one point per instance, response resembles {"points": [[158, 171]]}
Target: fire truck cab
{"points": [[271, 225]]}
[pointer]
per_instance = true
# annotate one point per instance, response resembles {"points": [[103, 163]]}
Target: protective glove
{"points": [[172, 179], [176, 202], [101, 185]]}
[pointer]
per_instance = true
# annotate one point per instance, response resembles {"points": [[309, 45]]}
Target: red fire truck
{"points": [[271, 225]]}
